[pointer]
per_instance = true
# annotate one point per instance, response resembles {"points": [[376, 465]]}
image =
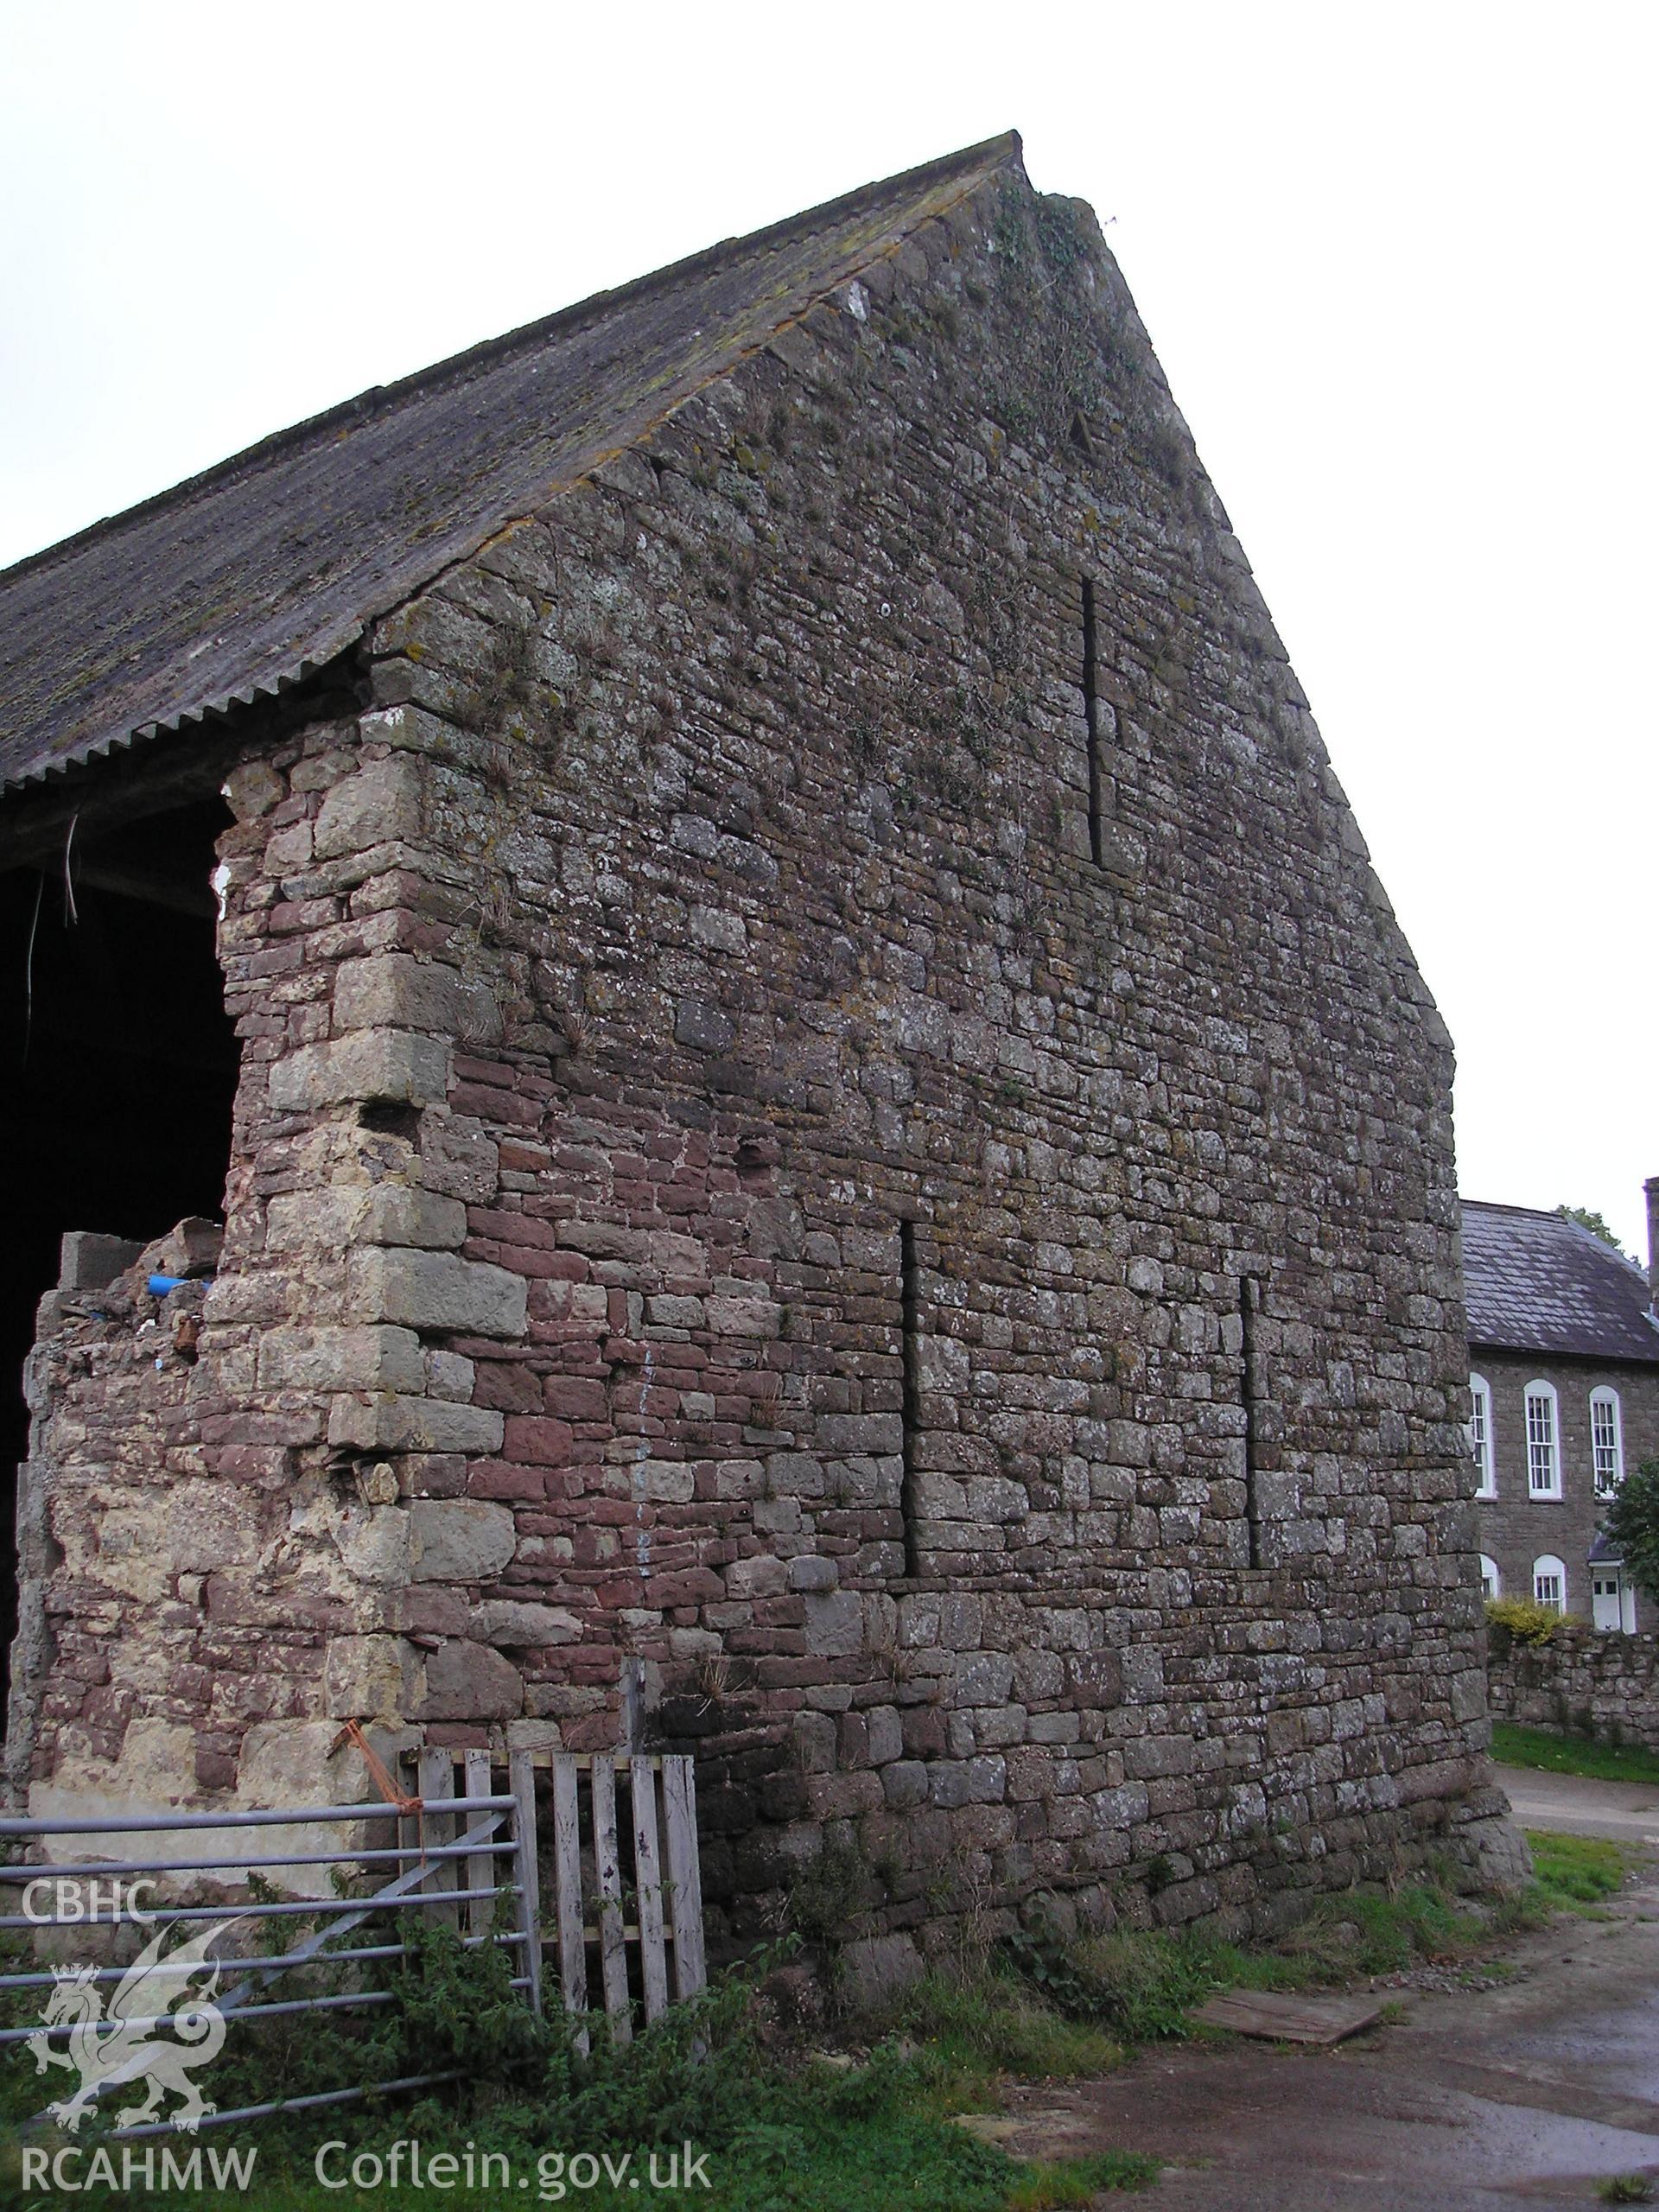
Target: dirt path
{"points": [[1525, 2094]]}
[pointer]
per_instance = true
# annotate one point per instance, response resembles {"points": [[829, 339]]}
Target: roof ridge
{"points": [[1504, 1205], [988, 155], [1564, 1221]]}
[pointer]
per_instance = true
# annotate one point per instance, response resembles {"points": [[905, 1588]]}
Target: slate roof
{"points": [[242, 581], [1537, 1283]]}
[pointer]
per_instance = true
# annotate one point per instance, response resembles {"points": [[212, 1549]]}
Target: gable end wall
{"points": [[711, 889]]}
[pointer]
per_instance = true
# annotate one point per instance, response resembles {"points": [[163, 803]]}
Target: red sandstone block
{"points": [[538, 1439], [490, 1105], [507, 1387], [248, 1462], [411, 936], [499, 1479], [282, 959], [573, 1266], [529, 1261], [294, 915], [615, 1512], [508, 1227], [395, 888], [696, 1586], [262, 1428], [589, 1732], [528, 1159], [577, 1397], [616, 1592]]}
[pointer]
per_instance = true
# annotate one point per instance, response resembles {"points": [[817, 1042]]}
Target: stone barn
{"points": [[829, 1152]]}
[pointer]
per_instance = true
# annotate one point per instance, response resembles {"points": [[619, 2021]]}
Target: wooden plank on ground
{"points": [[1277, 2017], [484, 1868], [521, 1781], [614, 1962], [685, 1882], [437, 1780], [566, 1890], [648, 1879]]}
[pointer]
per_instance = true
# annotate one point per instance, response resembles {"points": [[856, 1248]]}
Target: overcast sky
{"points": [[1397, 261]]}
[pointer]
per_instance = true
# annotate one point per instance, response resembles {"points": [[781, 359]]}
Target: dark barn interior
{"points": [[117, 1068]]}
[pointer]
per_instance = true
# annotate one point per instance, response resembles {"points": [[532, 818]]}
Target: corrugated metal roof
{"points": [[238, 583], [1537, 1283]]}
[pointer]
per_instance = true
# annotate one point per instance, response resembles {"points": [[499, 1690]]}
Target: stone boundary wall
{"points": [[1594, 1682]]}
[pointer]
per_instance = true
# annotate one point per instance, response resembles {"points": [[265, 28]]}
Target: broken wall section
{"points": [[232, 1548]]}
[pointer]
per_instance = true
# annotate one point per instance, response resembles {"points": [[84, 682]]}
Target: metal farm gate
{"points": [[621, 1881]]}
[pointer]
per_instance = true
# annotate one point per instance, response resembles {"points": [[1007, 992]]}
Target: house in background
{"points": [[1564, 1383]]}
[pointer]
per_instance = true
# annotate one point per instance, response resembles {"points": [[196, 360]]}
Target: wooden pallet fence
{"points": [[621, 1873]]}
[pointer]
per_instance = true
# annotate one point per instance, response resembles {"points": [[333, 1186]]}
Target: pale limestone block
{"points": [[374, 1542], [380, 804], [394, 990], [341, 1359], [388, 1422], [371, 1064], [834, 1623], [437, 1290], [367, 1676], [397, 1213], [460, 1540], [324, 1220], [505, 1620]]}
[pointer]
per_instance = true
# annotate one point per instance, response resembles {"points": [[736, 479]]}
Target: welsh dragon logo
{"points": [[110, 2047]]}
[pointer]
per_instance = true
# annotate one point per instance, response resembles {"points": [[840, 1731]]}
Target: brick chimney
{"points": [[1651, 1187]]}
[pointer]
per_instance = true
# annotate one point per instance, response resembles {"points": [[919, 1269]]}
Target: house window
{"points": [[1550, 1582], [1606, 1441], [1480, 1436], [1543, 1454], [1491, 1582]]}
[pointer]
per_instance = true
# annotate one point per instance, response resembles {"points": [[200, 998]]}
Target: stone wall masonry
{"points": [[1585, 1680], [766, 1084]]}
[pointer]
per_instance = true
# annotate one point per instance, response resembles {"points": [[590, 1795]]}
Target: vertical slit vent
{"points": [[1249, 1301], [1091, 714], [910, 1300]]}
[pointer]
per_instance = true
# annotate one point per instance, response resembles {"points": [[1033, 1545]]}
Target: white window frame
{"points": [[1491, 1582], [1547, 1569], [1543, 1439], [1482, 1449], [1606, 1439]]}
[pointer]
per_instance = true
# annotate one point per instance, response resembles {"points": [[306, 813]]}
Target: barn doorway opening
{"points": [[117, 1072]]}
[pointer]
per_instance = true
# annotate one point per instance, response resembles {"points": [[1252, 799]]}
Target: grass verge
{"points": [[783, 2133], [1577, 1873], [1554, 1753]]}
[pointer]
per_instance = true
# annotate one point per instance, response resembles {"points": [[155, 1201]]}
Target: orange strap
{"points": [[384, 1780]]}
